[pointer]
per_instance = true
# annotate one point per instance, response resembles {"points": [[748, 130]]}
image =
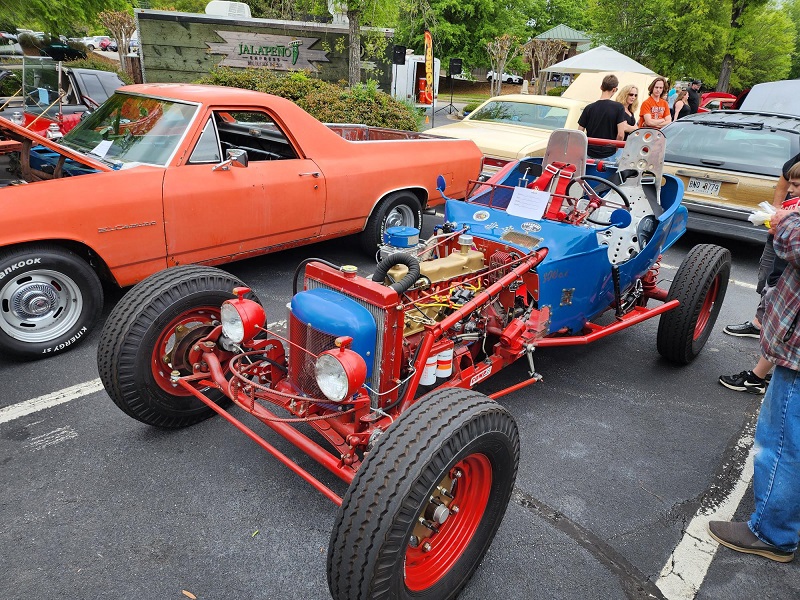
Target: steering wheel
{"points": [[595, 200]]}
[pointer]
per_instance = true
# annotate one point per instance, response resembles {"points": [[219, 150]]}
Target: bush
{"points": [[557, 91], [328, 102], [471, 106]]}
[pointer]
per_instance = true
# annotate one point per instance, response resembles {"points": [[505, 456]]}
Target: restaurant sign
{"points": [[279, 52]]}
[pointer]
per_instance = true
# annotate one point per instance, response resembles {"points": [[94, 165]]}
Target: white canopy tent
{"points": [[598, 59]]}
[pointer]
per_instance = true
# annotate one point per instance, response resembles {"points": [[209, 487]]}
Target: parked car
{"points": [[716, 101], [780, 97], [192, 174], [9, 45], [108, 45], [84, 90], [510, 127], [505, 78], [93, 42], [729, 161], [60, 51]]}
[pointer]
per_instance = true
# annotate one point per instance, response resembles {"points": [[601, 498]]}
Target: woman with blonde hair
{"points": [[628, 96]]}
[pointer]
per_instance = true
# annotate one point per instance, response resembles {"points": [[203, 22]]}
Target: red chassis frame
{"points": [[351, 428]]}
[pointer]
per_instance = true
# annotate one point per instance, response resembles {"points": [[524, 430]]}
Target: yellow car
{"points": [[510, 127], [729, 161]]}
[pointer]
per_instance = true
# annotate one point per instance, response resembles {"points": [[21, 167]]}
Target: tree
{"points": [[57, 17], [762, 53], [501, 50], [739, 8], [121, 25], [792, 8], [541, 54]]}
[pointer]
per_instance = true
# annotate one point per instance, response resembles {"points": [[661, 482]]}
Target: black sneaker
{"points": [[746, 381], [746, 329]]}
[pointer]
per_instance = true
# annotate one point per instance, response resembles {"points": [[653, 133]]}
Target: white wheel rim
{"points": [[400, 216], [39, 306]]}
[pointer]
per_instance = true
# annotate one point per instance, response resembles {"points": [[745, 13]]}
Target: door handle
{"points": [[314, 174]]}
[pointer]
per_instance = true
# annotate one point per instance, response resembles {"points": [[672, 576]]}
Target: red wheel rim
{"points": [[166, 342], [708, 306], [424, 568]]}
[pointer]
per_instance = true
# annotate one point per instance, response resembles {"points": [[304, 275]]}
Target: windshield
{"points": [[745, 149], [539, 116], [132, 129]]}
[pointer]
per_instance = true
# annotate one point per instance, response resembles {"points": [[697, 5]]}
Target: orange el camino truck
{"points": [[169, 174]]}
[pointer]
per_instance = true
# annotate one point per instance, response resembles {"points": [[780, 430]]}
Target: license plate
{"points": [[709, 187]]}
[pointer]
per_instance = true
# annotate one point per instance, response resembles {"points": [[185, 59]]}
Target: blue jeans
{"points": [[776, 477]]}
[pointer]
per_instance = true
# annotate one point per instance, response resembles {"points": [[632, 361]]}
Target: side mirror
{"points": [[234, 157], [237, 157]]}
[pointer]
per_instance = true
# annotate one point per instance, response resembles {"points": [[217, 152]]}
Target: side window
{"points": [[93, 88], [207, 148], [256, 133]]}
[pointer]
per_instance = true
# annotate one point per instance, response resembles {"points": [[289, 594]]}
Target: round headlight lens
{"points": [[331, 378], [232, 324]]}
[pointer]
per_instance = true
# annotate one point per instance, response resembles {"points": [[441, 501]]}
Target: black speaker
{"points": [[455, 66], [398, 55]]}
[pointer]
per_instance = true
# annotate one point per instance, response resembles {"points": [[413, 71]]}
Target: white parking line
{"points": [[684, 572], [15, 411]]}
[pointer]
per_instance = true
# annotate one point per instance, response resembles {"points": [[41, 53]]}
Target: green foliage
{"points": [[557, 91], [792, 8], [468, 108], [59, 17], [328, 102], [763, 48]]}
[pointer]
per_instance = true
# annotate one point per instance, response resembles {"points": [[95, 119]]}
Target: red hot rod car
{"points": [[381, 367], [164, 175]]}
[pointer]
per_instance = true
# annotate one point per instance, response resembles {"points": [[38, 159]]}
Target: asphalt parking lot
{"points": [[623, 458]]}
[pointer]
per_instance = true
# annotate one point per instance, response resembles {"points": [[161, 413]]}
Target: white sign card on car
{"points": [[527, 203]]}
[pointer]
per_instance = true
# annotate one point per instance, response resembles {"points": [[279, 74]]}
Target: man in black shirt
{"points": [[694, 96], [604, 119]]}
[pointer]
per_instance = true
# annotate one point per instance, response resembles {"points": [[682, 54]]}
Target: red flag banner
{"points": [[429, 67]]}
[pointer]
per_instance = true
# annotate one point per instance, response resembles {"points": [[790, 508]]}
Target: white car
{"points": [[506, 78], [93, 42]]}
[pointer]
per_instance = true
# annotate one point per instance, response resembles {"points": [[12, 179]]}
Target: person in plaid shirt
{"points": [[773, 530]]}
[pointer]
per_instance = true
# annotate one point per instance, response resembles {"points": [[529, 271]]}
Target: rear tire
{"points": [[699, 285], [171, 307], [454, 439], [400, 209]]}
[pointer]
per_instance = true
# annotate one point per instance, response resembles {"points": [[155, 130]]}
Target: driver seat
{"points": [[639, 174]]}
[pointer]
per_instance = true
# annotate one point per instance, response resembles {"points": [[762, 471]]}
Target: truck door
{"points": [[227, 213]]}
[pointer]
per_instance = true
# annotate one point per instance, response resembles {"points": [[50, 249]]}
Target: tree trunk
{"points": [[354, 68], [725, 74]]}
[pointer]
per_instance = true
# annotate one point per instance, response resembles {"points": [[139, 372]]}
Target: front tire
{"points": [[454, 439], [50, 298], [699, 285], [400, 209], [149, 334]]}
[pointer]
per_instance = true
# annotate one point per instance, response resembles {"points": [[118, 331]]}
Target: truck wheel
{"points": [[400, 209], [426, 503], [49, 300], [148, 335], [700, 285]]}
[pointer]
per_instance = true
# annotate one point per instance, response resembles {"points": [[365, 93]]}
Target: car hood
{"points": [[498, 140]]}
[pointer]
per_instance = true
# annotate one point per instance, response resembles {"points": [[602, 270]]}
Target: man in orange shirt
{"points": [[655, 110]]}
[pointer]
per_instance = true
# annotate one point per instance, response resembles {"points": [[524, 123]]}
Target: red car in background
{"points": [[716, 101]]}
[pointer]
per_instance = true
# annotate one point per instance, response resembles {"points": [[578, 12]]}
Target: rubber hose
{"points": [[303, 264], [398, 258]]}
